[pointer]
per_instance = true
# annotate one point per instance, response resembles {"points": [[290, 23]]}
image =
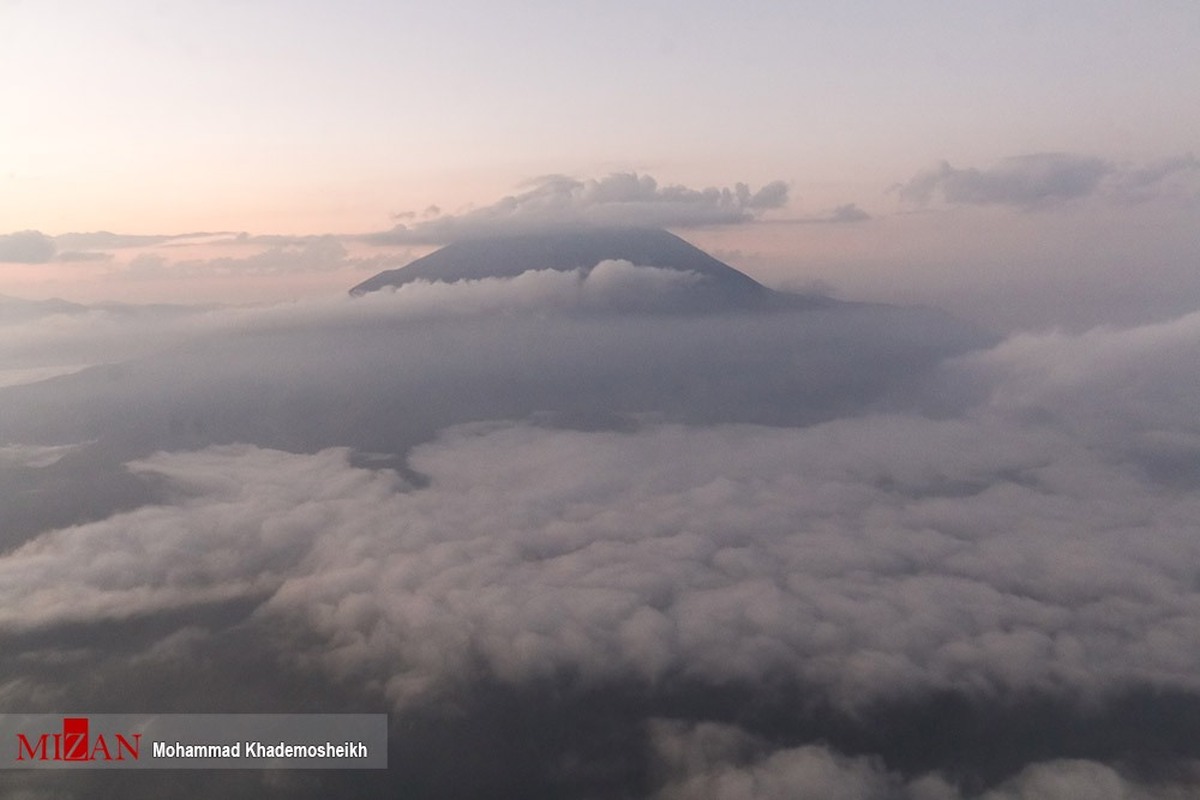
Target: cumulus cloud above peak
{"points": [[556, 202]]}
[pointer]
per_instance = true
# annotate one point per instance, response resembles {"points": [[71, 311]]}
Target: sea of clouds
{"points": [[580, 546]]}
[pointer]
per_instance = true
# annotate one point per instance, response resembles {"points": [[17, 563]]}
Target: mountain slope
{"points": [[509, 256]]}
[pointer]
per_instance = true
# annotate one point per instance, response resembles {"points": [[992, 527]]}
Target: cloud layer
{"points": [[1045, 179], [871, 559], [1008, 549], [310, 254], [739, 554], [723, 763], [621, 199], [26, 247], [35, 247]]}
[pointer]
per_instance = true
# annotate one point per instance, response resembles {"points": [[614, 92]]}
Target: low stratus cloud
{"points": [[46, 335], [314, 254], [794, 539], [560, 201], [107, 240], [82, 255], [35, 247], [1166, 175], [1044, 179], [847, 213], [721, 762], [870, 557]]}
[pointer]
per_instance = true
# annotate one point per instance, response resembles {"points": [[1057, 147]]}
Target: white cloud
{"points": [[718, 762], [314, 254], [32, 455], [721, 762], [870, 557], [41, 341], [734, 553], [1045, 179], [608, 285], [621, 199], [1031, 536], [1122, 388], [26, 247]]}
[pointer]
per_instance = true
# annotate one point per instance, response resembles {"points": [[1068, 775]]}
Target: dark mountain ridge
{"points": [[720, 285]]}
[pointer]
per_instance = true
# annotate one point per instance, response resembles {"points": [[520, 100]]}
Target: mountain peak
{"points": [[509, 256]]}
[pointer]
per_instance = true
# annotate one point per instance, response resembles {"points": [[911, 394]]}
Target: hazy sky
{"points": [[316, 118]]}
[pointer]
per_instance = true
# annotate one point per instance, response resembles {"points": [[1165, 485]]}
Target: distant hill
{"points": [[15, 308], [508, 256]]}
